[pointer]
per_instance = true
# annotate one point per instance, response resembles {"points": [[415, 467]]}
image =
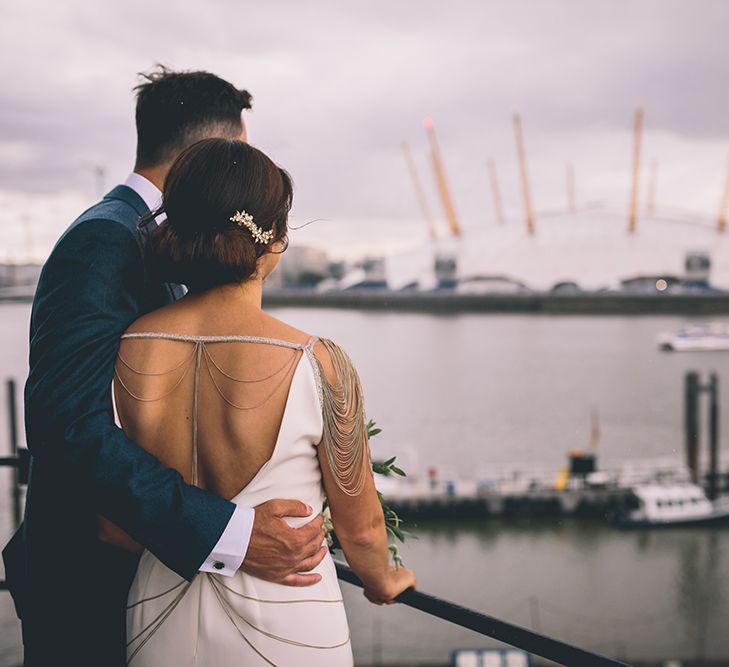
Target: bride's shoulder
{"points": [[159, 320], [334, 360], [275, 328]]}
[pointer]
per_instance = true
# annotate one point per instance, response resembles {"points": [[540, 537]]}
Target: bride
{"points": [[265, 411]]}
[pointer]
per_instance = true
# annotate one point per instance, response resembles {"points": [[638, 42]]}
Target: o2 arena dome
{"points": [[593, 249], [588, 248]]}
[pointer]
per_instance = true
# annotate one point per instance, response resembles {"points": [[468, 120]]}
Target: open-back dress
{"points": [[242, 620]]}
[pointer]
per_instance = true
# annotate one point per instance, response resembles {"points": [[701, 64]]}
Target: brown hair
{"points": [[210, 181]]}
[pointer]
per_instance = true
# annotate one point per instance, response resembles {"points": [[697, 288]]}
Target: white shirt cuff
{"points": [[228, 554]]}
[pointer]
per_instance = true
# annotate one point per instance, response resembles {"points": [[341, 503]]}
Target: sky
{"points": [[338, 85]]}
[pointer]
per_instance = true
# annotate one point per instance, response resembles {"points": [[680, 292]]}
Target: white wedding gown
{"points": [[219, 621]]}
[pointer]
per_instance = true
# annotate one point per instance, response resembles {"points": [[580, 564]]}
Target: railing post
{"points": [[713, 389], [13, 435], [692, 424]]}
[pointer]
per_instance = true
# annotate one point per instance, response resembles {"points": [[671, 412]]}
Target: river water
{"points": [[471, 393]]}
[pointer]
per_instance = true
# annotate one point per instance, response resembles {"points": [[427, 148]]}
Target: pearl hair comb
{"points": [[243, 219]]}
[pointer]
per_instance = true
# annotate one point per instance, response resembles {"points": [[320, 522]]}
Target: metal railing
{"points": [[489, 626]]}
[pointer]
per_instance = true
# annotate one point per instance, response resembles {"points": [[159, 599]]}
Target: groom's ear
{"points": [[243, 129]]}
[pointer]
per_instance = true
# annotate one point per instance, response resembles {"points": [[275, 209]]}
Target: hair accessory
{"points": [[243, 219]]}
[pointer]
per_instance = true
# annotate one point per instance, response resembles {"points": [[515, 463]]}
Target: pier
{"points": [[545, 303], [536, 492], [450, 303]]}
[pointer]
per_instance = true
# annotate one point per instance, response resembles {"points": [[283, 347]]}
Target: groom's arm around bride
{"points": [[69, 586]]}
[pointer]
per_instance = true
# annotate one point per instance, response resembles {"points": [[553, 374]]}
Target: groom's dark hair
{"points": [[176, 109]]}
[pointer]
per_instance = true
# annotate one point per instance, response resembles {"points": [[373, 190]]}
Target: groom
{"points": [[69, 586]]}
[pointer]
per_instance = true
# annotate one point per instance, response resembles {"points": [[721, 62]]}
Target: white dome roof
{"points": [[592, 248]]}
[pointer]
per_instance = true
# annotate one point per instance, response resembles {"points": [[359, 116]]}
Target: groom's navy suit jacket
{"points": [[69, 588]]}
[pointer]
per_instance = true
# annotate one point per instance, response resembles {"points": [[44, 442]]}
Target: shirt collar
{"points": [[147, 190], [151, 195]]}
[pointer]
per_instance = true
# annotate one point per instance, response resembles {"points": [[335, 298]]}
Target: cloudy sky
{"points": [[338, 85]]}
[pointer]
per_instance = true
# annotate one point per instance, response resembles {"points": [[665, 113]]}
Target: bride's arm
{"points": [[360, 528], [347, 475]]}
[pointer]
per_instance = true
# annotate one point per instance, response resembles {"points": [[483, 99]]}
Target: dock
{"points": [[449, 302], [546, 303], [533, 492]]}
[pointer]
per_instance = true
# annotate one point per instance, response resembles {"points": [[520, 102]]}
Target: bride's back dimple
{"points": [[214, 406]]}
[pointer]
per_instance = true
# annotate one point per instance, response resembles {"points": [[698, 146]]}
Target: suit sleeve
{"points": [[90, 291]]}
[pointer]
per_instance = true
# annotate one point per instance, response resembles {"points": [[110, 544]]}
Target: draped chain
{"points": [[344, 433], [344, 437], [199, 355]]}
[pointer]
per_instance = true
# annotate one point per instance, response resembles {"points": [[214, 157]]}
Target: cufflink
{"points": [[218, 565]]}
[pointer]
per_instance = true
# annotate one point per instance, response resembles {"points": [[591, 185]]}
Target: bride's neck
{"points": [[247, 294]]}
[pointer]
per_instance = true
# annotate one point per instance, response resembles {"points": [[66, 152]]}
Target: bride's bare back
{"points": [[210, 394]]}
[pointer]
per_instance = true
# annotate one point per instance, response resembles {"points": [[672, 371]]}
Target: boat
{"points": [[709, 337], [668, 505], [490, 657]]}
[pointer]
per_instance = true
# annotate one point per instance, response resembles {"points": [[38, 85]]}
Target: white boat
{"points": [[710, 337], [658, 505]]}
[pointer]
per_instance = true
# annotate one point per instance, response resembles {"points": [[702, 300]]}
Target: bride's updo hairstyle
{"points": [[209, 183]]}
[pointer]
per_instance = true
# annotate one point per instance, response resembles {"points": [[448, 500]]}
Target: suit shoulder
{"points": [[106, 216], [95, 233], [109, 220]]}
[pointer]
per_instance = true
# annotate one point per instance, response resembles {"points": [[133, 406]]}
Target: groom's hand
{"points": [[279, 553]]}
